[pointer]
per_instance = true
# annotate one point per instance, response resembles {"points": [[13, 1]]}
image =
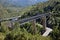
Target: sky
{"points": [[25, 2], [21, 2]]}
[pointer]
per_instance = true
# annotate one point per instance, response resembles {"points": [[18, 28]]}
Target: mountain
{"points": [[19, 2]]}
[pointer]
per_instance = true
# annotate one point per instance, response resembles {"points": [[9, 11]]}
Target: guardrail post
{"points": [[34, 29]]}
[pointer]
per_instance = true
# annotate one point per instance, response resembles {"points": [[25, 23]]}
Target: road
{"points": [[25, 19], [32, 18], [47, 32]]}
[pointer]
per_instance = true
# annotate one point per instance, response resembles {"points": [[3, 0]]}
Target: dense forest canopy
{"points": [[26, 32]]}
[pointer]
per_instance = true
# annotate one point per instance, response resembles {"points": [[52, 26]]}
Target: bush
{"points": [[2, 36]]}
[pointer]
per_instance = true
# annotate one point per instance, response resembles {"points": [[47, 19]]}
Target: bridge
{"points": [[31, 19]]}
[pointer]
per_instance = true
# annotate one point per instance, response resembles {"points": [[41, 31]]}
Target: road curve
{"points": [[47, 32]]}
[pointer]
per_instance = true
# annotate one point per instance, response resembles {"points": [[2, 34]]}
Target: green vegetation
{"points": [[26, 31], [19, 33]]}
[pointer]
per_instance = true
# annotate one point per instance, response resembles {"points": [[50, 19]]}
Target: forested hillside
{"points": [[26, 32], [7, 12]]}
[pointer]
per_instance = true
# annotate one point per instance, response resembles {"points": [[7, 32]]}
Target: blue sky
{"points": [[25, 2]]}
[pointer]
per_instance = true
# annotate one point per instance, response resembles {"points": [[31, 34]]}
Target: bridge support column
{"points": [[44, 22], [0, 23], [10, 24], [34, 29]]}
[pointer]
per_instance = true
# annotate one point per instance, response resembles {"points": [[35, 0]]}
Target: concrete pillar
{"points": [[34, 26], [44, 21], [0, 23], [10, 24]]}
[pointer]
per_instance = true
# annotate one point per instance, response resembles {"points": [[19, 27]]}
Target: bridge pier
{"points": [[34, 29], [0, 23], [10, 25], [44, 22]]}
